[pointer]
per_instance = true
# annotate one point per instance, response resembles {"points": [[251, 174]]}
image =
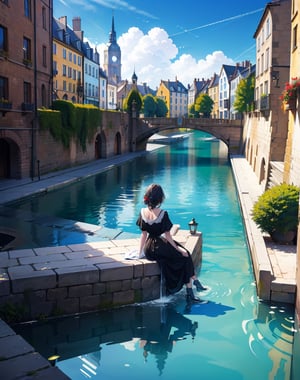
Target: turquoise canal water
{"points": [[231, 336]]}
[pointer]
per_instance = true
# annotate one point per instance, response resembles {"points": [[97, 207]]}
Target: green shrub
{"points": [[276, 210], [68, 120]]}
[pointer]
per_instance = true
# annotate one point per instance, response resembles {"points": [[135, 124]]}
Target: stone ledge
{"points": [[85, 277], [76, 289]]}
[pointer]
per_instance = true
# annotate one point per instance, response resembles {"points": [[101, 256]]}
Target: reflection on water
{"points": [[167, 341]]}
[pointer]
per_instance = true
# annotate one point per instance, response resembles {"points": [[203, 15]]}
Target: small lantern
{"points": [[193, 226]]}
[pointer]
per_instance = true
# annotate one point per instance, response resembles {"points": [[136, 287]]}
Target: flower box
{"points": [[29, 107], [290, 105], [289, 95], [5, 105]]}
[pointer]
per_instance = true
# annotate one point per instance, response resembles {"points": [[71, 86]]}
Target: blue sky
{"points": [[164, 39]]}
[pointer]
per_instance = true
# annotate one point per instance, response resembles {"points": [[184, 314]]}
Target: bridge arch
{"points": [[228, 131]]}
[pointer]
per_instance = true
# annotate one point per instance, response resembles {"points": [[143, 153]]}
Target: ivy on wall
{"points": [[67, 120]]}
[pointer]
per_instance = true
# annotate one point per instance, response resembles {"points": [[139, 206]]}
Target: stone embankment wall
{"points": [[41, 282]]}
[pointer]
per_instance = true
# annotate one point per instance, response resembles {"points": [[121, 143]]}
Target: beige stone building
{"points": [[213, 92], [266, 127], [176, 97], [292, 155]]}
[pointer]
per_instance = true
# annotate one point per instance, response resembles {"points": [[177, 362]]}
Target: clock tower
{"points": [[112, 58]]}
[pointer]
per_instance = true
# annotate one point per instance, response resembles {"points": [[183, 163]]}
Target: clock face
{"points": [[114, 58]]}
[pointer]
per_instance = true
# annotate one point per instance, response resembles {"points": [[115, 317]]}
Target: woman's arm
{"points": [[169, 238], [142, 241]]}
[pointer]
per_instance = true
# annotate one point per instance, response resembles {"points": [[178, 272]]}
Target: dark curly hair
{"points": [[154, 195]]}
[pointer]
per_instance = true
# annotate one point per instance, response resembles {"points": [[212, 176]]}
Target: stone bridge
{"points": [[229, 131]]}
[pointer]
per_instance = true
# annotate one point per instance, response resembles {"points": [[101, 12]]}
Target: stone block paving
{"points": [[282, 259], [18, 360]]}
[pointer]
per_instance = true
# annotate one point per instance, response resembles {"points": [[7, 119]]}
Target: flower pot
{"points": [[283, 237], [290, 105]]}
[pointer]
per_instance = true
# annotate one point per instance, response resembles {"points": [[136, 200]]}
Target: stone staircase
{"points": [[276, 173]]}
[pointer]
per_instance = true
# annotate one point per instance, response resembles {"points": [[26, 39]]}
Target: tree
{"points": [[192, 111], [133, 95], [204, 105], [149, 105], [244, 96], [161, 108]]}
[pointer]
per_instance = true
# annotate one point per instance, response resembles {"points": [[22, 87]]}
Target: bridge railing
{"points": [[209, 121], [184, 122]]}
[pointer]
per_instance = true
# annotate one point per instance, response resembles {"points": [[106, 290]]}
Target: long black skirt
{"points": [[176, 268]]}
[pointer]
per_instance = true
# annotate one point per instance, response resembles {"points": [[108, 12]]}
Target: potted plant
{"points": [[289, 94], [276, 212]]}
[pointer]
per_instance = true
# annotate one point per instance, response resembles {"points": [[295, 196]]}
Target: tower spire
{"points": [[112, 34]]}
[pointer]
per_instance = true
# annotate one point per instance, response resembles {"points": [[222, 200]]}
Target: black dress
{"points": [[176, 268]]}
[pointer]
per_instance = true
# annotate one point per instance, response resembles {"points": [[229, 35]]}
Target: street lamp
{"points": [[193, 226]]}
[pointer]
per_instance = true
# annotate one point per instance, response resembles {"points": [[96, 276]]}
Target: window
{"points": [[266, 87], [74, 59], [44, 22], [55, 71], [267, 27], [54, 48], [3, 39], [64, 85], [44, 56], [294, 41], [74, 74], [262, 64], [26, 49], [44, 97], [64, 70], [27, 92], [3, 88], [258, 44], [70, 56], [64, 54], [27, 9], [69, 72], [267, 58]]}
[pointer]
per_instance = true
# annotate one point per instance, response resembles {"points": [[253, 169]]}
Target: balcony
{"points": [[27, 62], [27, 107], [5, 106], [264, 103]]}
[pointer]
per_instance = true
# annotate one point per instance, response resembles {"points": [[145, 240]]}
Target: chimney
{"points": [[77, 27], [76, 24], [63, 20]]}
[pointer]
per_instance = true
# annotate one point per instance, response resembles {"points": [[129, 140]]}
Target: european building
{"points": [[175, 94]]}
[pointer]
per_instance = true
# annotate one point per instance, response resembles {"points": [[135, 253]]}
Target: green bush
{"points": [[276, 210]]}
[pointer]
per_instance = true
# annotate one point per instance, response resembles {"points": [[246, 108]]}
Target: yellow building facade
{"points": [[67, 63], [176, 97], [164, 94]]}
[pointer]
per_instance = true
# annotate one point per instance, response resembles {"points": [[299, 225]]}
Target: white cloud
{"points": [[154, 56]]}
